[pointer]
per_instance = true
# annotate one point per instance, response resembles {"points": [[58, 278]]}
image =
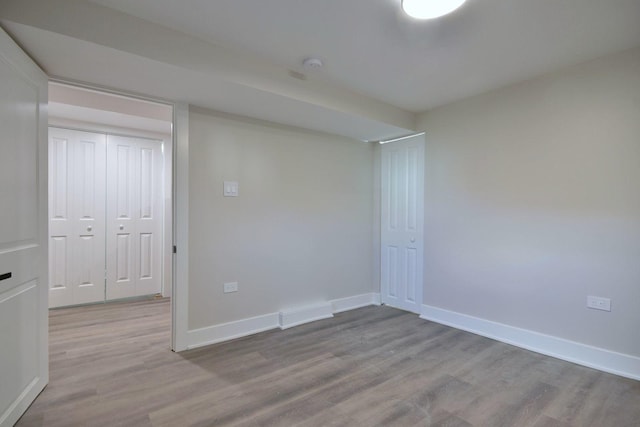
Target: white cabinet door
{"points": [[402, 219], [77, 217], [134, 216], [23, 231]]}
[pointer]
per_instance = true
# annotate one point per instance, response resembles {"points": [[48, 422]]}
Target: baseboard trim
{"points": [[356, 301], [18, 407], [593, 357], [231, 330], [283, 320]]}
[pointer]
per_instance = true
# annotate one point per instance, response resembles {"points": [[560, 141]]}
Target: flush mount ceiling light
{"points": [[429, 9]]}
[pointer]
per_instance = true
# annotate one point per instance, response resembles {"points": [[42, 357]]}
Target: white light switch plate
{"points": [[230, 189]]}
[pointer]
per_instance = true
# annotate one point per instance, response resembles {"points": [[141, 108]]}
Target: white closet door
{"points": [[134, 216], [76, 217], [402, 214]]}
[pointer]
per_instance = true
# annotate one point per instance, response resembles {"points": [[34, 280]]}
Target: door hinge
{"points": [[175, 249]]}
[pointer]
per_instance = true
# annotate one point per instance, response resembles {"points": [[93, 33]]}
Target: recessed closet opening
{"points": [[110, 197]]}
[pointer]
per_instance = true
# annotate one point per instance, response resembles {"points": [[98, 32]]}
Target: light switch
{"points": [[230, 189]]}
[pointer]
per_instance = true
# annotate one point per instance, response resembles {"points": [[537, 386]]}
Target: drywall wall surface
{"points": [[299, 232], [533, 203]]}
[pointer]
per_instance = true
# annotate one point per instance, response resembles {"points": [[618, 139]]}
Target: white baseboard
{"points": [[283, 320], [593, 357], [357, 301], [232, 330]]}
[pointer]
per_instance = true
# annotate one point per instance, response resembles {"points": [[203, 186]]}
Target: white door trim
{"points": [[180, 299]]}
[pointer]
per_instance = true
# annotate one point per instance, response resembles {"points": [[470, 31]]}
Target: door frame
{"points": [[177, 235], [180, 294]]}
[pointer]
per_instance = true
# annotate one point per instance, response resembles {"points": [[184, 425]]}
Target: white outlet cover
{"points": [[599, 303], [230, 287]]}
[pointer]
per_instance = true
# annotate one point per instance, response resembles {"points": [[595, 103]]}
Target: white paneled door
{"points": [[402, 218], [105, 217], [77, 163], [134, 216], [23, 231]]}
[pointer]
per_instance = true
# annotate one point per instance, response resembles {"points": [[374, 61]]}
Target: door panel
{"points": [[134, 216], [58, 274], [123, 257], [402, 214], [77, 197], [59, 177], [146, 255], [23, 231], [149, 218]]}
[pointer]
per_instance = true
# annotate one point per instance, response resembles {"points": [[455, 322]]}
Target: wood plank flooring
{"points": [[376, 366]]}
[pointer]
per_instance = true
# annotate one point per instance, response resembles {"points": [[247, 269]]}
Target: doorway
{"points": [[110, 197], [402, 219]]}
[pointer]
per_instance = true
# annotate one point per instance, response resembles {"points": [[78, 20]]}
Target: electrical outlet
{"points": [[230, 287], [599, 303]]}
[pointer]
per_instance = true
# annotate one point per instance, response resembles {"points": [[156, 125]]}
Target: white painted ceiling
{"points": [[371, 47], [381, 67]]}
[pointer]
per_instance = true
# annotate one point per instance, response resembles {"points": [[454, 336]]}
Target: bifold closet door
{"points": [[134, 216], [76, 217]]}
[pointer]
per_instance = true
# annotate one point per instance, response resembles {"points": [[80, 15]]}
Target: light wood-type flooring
{"points": [[376, 366]]}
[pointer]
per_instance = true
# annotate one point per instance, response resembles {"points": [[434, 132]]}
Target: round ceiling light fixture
{"points": [[429, 9]]}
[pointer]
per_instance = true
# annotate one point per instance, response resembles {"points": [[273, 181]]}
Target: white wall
{"points": [[300, 231], [533, 203]]}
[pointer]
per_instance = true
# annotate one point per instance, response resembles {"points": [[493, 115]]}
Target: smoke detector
{"points": [[312, 63]]}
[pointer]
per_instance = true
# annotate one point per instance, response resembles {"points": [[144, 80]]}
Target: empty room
{"points": [[320, 213]]}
